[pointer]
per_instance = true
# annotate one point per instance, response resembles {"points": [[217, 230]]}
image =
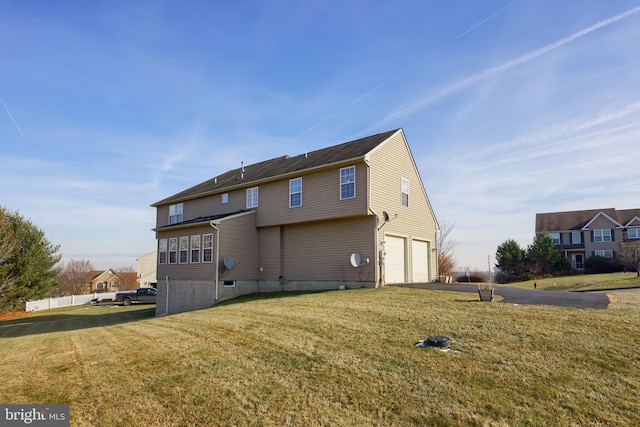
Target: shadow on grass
{"points": [[80, 318], [275, 295]]}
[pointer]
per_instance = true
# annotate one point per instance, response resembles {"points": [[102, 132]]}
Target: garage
{"points": [[420, 261], [395, 261]]}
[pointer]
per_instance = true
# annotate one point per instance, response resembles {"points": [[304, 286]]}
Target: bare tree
{"points": [[446, 250], [75, 275], [629, 256]]}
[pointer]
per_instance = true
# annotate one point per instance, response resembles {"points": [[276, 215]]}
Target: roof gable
{"points": [[633, 222], [602, 214], [254, 174], [627, 216]]}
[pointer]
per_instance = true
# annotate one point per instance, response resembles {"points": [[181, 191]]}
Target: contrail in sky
{"points": [[404, 70], [13, 120], [454, 87]]}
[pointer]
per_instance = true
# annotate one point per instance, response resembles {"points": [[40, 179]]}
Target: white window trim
{"points": [[553, 240], [573, 237], [347, 183], [176, 213], [252, 193], [206, 247], [163, 248], [195, 240], [173, 240], [183, 246], [404, 184], [225, 198], [636, 232], [602, 235], [603, 253], [291, 193]]}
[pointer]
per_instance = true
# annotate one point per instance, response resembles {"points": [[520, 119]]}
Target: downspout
{"points": [[213, 224], [376, 267], [166, 307]]}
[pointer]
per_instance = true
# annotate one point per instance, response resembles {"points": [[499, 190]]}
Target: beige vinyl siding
{"points": [[205, 206], [390, 162], [321, 250], [238, 239], [270, 250], [601, 223], [194, 271], [320, 198]]}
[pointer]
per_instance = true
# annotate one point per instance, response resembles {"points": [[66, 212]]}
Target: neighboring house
{"points": [[609, 233], [147, 270], [298, 223], [110, 280]]}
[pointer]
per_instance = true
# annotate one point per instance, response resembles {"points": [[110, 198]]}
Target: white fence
{"points": [[45, 304]]}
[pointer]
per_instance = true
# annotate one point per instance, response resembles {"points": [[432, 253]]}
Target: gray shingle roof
{"points": [[575, 220], [283, 165]]}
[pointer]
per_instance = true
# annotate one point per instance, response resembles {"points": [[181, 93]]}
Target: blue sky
{"points": [[510, 107]]}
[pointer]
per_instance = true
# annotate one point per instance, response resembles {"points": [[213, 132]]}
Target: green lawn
{"points": [[331, 358], [583, 282]]}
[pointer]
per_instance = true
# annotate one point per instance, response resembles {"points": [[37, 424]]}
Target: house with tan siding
{"points": [[110, 280], [609, 233], [350, 215]]}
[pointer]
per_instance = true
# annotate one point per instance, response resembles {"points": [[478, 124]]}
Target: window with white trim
{"points": [[207, 248], [603, 235], [184, 250], [555, 238], [604, 253], [176, 213], [295, 192], [173, 250], [195, 248], [162, 251], [252, 197], [576, 237], [225, 198], [634, 233], [404, 191], [348, 182]]}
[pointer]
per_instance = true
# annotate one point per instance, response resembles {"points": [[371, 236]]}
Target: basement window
{"points": [[229, 283]]}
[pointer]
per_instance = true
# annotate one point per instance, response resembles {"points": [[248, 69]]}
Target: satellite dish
{"points": [[229, 262], [386, 216], [355, 260]]}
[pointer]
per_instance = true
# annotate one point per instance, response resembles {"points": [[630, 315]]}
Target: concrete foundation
{"points": [[187, 295]]}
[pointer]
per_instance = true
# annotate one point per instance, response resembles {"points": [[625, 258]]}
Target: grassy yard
{"points": [[331, 358], [583, 282]]}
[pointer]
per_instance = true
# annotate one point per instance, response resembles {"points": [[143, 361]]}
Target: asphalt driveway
{"points": [[598, 300]]}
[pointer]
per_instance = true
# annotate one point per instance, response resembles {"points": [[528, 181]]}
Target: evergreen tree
{"points": [[543, 254], [510, 260], [27, 264]]}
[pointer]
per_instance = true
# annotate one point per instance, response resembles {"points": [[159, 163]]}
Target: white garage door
{"points": [[420, 261], [396, 259]]}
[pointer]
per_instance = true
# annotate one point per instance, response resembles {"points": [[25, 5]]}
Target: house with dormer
{"points": [[350, 215], [609, 233]]}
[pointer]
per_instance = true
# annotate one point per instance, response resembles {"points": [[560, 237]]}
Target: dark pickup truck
{"points": [[140, 295]]}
